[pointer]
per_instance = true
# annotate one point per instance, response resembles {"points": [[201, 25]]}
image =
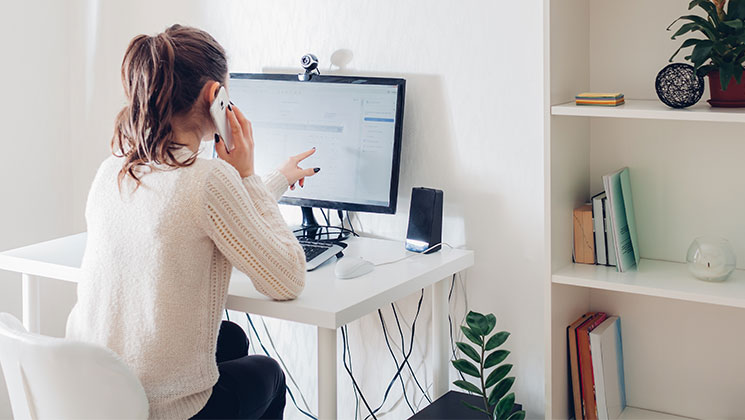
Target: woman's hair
{"points": [[162, 77]]}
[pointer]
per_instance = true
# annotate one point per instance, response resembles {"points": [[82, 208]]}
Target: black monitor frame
{"points": [[398, 133]]}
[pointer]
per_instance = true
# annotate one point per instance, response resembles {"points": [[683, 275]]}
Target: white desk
{"points": [[326, 302]]}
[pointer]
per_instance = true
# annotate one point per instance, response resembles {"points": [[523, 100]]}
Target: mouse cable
{"points": [[347, 350], [292, 379], [406, 358], [414, 254], [289, 391], [395, 361], [403, 349], [349, 371]]}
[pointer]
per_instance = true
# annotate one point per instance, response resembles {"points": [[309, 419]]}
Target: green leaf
{"points": [[684, 29], [491, 321], [734, 24], [687, 43], [736, 9], [469, 351], [497, 375], [475, 339], [701, 53], [468, 387], [477, 322], [496, 340], [504, 407], [495, 358], [707, 5], [473, 407], [517, 415], [725, 74], [466, 367], [500, 390]]}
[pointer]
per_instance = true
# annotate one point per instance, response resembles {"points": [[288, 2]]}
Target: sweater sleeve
{"points": [[242, 218]]}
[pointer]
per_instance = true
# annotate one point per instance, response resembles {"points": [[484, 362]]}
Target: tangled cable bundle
{"points": [[678, 85]]}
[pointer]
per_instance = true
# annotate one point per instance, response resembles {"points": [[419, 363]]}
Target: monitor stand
{"points": [[310, 229]]}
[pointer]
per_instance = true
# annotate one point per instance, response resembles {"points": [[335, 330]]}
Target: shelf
{"points": [[654, 110], [633, 413], [656, 278]]}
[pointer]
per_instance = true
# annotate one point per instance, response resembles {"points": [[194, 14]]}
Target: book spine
{"points": [[574, 363], [585, 366], [596, 351], [599, 224], [609, 242], [584, 242]]}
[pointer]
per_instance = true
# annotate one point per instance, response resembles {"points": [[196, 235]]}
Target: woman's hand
{"points": [[242, 155], [295, 173]]}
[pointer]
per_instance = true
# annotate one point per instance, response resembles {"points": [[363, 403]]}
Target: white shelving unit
{"points": [[653, 110], [681, 337]]}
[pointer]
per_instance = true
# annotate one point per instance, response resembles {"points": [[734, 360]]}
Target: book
{"points": [[584, 241], [599, 99], [622, 220], [574, 363], [607, 363], [601, 254], [609, 243], [589, 405]]}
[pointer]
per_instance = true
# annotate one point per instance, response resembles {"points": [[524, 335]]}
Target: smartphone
{"points": [[219, 113]]}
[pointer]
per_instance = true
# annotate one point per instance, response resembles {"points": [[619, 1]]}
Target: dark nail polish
{"points": [[230, 108], [231, 103], [316, 170], [314, 147], [217, 138]]}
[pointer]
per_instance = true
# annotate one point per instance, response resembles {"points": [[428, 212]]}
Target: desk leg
{"points": [[30, 292], [440, 339], [326, 373]]}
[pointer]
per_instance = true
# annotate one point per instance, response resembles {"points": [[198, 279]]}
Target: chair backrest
{"points": [[63, 379]]}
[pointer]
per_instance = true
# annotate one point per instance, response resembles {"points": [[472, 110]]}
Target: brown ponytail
{"points": [[162, 77]]}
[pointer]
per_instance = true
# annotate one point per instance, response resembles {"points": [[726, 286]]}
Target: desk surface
{"points": [[326, 301]]}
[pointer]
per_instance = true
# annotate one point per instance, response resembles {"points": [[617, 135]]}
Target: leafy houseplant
{"points": [[497, 403], [720, 54]]}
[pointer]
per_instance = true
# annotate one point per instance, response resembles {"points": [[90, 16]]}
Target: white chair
{"points": [[55, 378]]}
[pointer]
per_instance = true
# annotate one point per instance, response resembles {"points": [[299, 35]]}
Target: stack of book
{"points": [[599, 99], [596, 363], [605, 229]]}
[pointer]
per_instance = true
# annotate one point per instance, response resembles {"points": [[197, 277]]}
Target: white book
{"points": [[606, 350], [601, 255], [610, 245]]}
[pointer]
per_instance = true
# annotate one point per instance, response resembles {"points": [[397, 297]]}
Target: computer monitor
{"points": [[355, 123]]}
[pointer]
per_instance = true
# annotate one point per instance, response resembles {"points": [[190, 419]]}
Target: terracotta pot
{"points": [[733, 97]]}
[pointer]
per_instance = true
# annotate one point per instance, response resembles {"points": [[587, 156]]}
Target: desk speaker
{"points": [[425, 220]]}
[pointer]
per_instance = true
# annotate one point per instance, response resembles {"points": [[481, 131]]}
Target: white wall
{"points": [[473, 127]]}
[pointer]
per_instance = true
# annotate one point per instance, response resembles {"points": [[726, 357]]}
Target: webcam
{"points": [[310, 64]]}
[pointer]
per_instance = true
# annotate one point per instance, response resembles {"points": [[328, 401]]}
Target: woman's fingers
{"points": [[245, 124], [301, 182], [235, 129], [304, 155], [221, 147]]}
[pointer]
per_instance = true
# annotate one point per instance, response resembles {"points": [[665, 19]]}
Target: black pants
{"points": [[249, 387]]}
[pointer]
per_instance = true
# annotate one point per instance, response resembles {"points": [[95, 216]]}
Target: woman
{"points": [[165, 229]]}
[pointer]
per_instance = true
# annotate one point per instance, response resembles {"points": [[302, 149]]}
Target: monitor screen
{"points": [[354, 124]]}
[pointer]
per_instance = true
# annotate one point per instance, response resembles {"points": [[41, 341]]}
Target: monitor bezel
{"points": [[398, 134]]}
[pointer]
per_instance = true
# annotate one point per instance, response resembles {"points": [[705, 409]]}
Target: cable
{"points": [[227, 315], [395, 361], [414, 254], [349, 220], [284, 366], [292, 397], [403, 345], [398, 372], [356, 395], [349, 371], [450, 329], [323, 213]]}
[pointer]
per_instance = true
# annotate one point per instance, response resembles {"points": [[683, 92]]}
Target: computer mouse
{"points": [[351, 267]]}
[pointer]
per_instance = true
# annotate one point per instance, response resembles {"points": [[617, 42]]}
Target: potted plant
{"points": [[721, 52], [498, 404]]}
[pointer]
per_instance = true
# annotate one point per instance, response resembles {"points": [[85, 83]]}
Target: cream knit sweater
{"points": [[157, 265]]}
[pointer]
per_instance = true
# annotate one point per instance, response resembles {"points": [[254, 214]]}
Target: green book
{"points": [[618, 189]]}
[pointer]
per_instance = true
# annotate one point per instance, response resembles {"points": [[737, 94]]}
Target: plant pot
{"points": [[733, 97]]}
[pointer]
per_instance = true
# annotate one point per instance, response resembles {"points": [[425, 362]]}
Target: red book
{"points": [[574, 363], [585, 365]]}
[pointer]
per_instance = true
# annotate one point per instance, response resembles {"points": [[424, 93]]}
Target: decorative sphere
{"points": [[679, 86], [711, 258]]}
